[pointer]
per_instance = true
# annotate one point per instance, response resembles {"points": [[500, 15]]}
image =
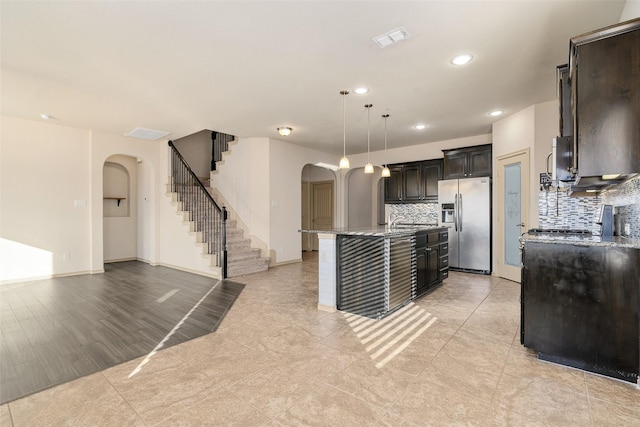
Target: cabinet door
{"points": [[393, 185], [421, 271], [607, 100], [431, 174], [455, 164], [433, 266], [480, 162], [411, 183]]}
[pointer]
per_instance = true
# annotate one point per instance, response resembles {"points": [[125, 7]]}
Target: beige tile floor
{"points": [[277, 360]]}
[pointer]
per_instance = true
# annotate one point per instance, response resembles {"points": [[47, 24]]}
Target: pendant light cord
{"points": [[368, 130], [385, 133], [344, 94]]}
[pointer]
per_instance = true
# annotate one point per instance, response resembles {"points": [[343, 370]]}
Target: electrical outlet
{"points": [[66, 256], [627, 229]]}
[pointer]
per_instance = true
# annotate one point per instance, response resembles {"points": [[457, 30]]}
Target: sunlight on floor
{"points": [[392, 334]]}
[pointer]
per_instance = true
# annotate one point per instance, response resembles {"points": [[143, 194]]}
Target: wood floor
{"points": [[57, 330]]}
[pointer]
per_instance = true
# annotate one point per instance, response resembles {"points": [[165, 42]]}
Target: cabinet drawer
{"points": [[444, 274], [421, 240], [444, 236], [444, 262], [433, 238], [444, 249]]}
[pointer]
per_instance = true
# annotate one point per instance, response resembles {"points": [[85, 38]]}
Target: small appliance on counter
{"points": [[605, 220]]}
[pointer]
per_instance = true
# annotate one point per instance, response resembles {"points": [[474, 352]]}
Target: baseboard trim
{"points": [[327, 308], [109, 261], [292, 261], [48, 276], [213, 274]]}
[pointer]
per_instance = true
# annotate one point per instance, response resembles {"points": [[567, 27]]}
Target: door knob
{"points": [[520, 225]]}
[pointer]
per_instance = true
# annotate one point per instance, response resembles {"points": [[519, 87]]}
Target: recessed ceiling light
{"points": [[421, 126], [361, 90], [45, 117], [461, 59], [391, 37], [496, 113]]}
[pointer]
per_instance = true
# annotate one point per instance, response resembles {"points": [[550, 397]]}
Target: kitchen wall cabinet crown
{"points": [[467, 162], [605, 93], [413, 182]]}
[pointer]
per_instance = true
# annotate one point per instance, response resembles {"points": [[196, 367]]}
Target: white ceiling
{"points": [[245, 68]]}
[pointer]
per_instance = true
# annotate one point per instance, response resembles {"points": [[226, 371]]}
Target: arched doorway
{"points": [[120, 210], [318, 203]]}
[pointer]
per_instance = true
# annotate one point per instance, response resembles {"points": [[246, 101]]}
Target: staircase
{"points": [[241, 257], [196, 211]]}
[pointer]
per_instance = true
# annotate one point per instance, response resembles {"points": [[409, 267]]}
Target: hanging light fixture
{"points": [[344, 162], [385, 171], [368, 168]]}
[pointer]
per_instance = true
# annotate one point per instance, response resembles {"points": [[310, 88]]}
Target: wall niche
{"points": [[116, 195]]}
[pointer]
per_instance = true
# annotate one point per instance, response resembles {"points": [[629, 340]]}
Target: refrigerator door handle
{"points": [[455, 213], [460, 214]]}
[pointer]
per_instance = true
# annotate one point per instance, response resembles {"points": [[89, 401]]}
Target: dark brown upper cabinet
{"points": [[564, 97], [467, 162], [605, 90], [393, 185], [413, 182]]}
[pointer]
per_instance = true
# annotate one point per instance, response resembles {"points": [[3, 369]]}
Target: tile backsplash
{"points": [[416, 213], [558, 210]]}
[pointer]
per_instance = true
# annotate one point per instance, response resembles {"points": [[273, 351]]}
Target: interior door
{"points": [[321, 208], [512, 217]]}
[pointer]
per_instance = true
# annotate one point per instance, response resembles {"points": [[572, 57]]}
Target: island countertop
{"points": [[582, 240], [378, 231]]}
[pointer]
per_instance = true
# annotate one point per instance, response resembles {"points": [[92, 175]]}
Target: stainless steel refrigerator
{"points": [[465, 207]]}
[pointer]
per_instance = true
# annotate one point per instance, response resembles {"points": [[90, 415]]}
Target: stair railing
{"points": [[219, 144], [209, 219]]}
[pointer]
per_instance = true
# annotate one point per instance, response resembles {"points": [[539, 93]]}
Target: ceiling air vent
{"points": [[144, 133], [391, 37]]}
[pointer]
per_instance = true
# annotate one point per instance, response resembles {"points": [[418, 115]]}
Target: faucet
{"points": [[392, 222]]}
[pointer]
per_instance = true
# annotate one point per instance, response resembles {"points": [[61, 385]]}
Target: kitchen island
{"points": [[374, 271], [580, 302]]}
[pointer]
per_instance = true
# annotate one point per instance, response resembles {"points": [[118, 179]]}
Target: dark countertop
{"points": [[378, 231], [582, 240]]}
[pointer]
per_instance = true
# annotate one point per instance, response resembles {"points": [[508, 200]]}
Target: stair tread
{"points": [[241, 257]]}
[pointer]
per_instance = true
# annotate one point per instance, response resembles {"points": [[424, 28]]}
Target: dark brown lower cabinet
{"points": [[432, 265], [580, 306]]}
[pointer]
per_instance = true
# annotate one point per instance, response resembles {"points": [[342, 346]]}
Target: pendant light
{"points": [[344, 162], [386, 173], [368, 168]]}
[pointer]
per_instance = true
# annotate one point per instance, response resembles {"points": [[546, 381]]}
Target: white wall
{"points": [[315, 174], [196, 150], [532, 128], [44, 170], [360, 195], [103, 146], [260, 178], [428, 151], [243, 180], [631, 10]]}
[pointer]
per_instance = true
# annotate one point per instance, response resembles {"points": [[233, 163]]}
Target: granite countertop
{"points": [[582, 240], [378, 231]]}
